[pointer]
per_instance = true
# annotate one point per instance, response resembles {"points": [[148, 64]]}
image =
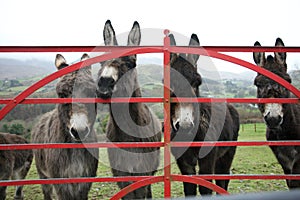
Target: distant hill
{"points": [[223, 75], [16, 69], [150, 73]]}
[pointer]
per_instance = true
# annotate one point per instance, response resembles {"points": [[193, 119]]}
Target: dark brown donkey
{"points": [[128, 122], [14, 164], [199, 122], [282, 120], [68, 123]]}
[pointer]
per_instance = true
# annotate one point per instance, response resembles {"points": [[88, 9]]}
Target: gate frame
{"points": [[166, 49]]}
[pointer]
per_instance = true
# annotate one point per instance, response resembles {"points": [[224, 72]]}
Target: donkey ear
{"points": [[60, 62], [109, 35], [172, 43], [193, 58], [259, 57], [85, 57], [280, 56], [134, 37], [172, 40]]}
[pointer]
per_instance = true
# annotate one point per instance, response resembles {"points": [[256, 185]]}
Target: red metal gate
{"points": [[166, 49]]}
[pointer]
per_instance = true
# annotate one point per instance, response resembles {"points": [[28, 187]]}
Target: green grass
{"points": [[248, 160], [255, 160]]}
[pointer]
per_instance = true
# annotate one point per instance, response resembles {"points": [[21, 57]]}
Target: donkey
{"points": [[199, 122], [128, 122], [68, 123], [282, 120], [14, 164]]}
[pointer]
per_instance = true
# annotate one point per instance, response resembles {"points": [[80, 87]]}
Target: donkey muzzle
{"points": [[79, 129], [184, 117], [79, 134], [273, 115], [273, 122], [105, 87]]}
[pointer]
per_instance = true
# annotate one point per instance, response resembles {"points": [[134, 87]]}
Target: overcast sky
{"points": [[216, 22]]}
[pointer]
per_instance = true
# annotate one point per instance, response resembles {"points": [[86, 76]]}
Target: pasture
{"points": [[248, 160]]}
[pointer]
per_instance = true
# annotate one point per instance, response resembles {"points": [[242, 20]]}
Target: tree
{"points": [[16, 129], [5, 128]]}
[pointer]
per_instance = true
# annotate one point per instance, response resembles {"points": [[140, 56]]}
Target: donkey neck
{"points": [[291, 120], [130, 115]]}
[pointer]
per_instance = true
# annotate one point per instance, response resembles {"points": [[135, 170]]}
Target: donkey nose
{"points": [[79, 134], [177, 125], [273, 121], [105, 87], [186, 124], [106, 82]]}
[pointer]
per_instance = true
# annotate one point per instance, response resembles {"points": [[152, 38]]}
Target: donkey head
{"points": [[114, 70], [267, 88], [78, 118], [185, 82]]}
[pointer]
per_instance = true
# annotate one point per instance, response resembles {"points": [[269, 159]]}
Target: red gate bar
{"points": [[49, 49], [84, 100], [182, 178], [138, 178], [146, 144], [152, 100]]}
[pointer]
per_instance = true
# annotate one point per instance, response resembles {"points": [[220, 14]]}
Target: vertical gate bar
{"points": [[167, 151]]}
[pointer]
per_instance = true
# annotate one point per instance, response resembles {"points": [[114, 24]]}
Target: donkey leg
{"points": [[19, 188], [285, 157], [149, 192], [21, 175], [296, 170], [122, 185], [72, 191], [47, 189], [207, 166], [2, 192], [141, 193], [223, 165], [187, 166]]}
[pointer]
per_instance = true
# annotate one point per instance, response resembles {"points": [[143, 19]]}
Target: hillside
{"points": [[16, 69]]}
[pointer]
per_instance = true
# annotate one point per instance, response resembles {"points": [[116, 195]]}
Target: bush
{"points": [[16, 128]]}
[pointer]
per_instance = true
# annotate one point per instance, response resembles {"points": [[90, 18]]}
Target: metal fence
{"points": [[165, 49]]}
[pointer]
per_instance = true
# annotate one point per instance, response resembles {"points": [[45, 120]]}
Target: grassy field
{"points": [[248, 160]]}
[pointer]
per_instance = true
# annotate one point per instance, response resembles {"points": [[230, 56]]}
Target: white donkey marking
{"points": [[110, 72], [273, 109], [184, 116], [80, 122]]}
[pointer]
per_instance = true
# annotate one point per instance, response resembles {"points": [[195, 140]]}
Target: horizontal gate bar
{"points": [[137, 178], [36, 49], [152, 100], [84, 100], [146, 144]]}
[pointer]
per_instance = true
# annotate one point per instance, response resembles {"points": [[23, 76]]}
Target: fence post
{"points": [[167, 130]]}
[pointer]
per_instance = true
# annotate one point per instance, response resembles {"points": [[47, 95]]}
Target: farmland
{"points": [[248, 160]]}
